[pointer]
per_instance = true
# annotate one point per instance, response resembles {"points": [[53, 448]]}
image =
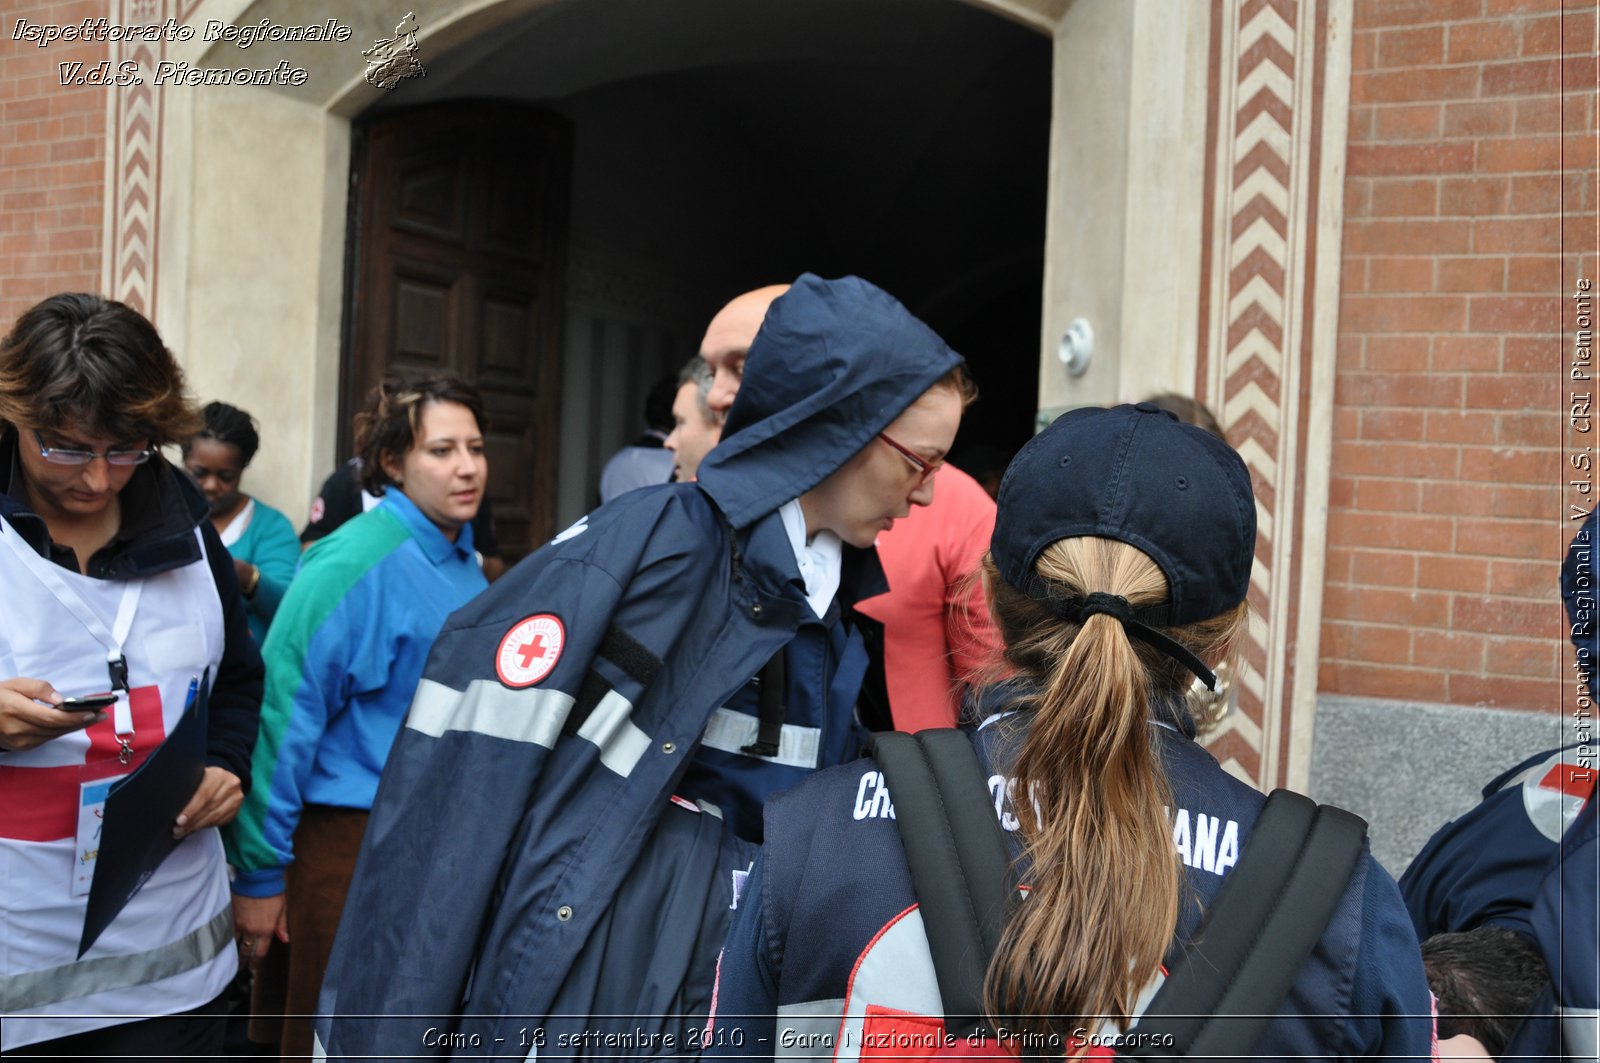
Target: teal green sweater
{"points": [[270, 544]]}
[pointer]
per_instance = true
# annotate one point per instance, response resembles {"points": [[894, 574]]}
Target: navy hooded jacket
{"points": [[827, 956], [1525, 858], [517, 829]]}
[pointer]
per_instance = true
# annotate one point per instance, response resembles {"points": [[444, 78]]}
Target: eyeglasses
{"points": [[71, 456], [925, 468]]}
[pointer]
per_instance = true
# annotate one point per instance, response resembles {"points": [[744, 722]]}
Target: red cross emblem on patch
{"points": [[530, 650]]}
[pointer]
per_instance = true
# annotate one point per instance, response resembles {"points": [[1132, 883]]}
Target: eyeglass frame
{"points": [[926, 469], [75, 456]]}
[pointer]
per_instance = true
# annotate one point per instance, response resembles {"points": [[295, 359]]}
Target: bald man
{"points": [[931, 631], [728, 339]]}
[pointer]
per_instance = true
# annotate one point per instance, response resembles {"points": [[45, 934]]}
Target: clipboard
{"points": [[139, 813]]}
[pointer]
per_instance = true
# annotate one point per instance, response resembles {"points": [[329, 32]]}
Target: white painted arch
{"points": [[252, 296]]}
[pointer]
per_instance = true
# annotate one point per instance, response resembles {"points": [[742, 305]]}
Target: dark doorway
{"points": [[719, 145], [460, 266]]}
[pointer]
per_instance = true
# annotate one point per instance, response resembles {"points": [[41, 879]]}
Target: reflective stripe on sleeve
{"points": [[21, 992], [488, 708], [611, 728]]}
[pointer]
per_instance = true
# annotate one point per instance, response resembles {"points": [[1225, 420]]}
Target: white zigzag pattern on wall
{"points": [[135, 191], [1255, 211], [137, 133]]}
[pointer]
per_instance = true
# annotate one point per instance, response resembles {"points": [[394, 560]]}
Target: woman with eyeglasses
{"points": [[683, 641], [115, 583], [264, 546], [1117, 574]]}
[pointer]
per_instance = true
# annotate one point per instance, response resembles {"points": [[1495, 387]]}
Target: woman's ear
{"points": [[393, 468]]}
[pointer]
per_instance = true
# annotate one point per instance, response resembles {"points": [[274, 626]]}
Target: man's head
{"points": [[695, 426], [1486, 980], [832, 366], [728, 339]]}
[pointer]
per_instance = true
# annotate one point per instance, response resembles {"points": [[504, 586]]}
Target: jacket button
{"points": [[756, 610], [669, 748], [564, 912]]}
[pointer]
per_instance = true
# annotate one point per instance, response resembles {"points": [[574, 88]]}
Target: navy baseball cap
{"points": [[1138, 475]]}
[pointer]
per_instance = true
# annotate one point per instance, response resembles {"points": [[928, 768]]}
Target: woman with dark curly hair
{"points": [[343, 659], [262, 541], [114, 580]]}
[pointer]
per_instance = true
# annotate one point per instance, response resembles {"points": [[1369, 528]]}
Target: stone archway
{"points": [[1207, 262]]}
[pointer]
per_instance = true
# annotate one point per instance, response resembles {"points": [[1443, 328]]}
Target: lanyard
{"points": [[113, 639]]}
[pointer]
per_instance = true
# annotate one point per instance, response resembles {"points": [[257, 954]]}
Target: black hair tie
{"points": [[1112, 605], [1137, 623]]}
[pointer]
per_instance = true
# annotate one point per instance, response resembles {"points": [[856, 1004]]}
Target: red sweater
{"points": [[936, 625]]}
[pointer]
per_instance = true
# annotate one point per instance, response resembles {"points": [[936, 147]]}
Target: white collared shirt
{"points": [[821, 561]]}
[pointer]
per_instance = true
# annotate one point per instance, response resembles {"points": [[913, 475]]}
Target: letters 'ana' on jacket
{"points": [[826, 955], [560, 709]]}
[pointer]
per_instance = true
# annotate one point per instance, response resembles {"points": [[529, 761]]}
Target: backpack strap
{"points": [[1267, 918], [1225, 990], [960, 868]]}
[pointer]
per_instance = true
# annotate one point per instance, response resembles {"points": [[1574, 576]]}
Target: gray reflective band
{"points": [[896, 971], [731, 731], [488, 708], [609, 726], [1580, 1028], [20, 992], [809, 1030]]}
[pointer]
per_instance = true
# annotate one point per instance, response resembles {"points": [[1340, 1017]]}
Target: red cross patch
{"points": [[1570, 779], [530, 650]]}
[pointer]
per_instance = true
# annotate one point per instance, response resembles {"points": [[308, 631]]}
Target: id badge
{"points": [[91, 817]]}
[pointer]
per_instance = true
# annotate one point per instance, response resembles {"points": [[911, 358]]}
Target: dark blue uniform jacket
{"points": [[833, 883], [513, 867], [1526, 857], [1484, 867]]}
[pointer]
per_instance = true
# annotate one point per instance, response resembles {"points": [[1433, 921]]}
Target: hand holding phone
{"points": [[89, 703], [30, 716]]}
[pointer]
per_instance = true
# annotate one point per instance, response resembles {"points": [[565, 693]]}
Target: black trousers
{"points": [[193, 1034]]}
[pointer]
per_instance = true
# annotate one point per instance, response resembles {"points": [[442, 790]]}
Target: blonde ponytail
{"points": [[1091, 796]]}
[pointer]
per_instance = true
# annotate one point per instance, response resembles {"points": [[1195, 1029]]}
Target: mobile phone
{"points": [[88, 703]]}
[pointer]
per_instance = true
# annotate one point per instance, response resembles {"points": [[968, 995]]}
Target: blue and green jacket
{"points": [[343, 658]]}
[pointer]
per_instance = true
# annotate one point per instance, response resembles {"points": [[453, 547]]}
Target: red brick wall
{"points": [[1469, 212], [52, 161]]}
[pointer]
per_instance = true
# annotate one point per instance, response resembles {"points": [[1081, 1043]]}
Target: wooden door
{"points": [[460, 248]]}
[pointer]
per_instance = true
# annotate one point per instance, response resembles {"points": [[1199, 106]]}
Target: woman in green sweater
{"points": [[264, 546]]}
